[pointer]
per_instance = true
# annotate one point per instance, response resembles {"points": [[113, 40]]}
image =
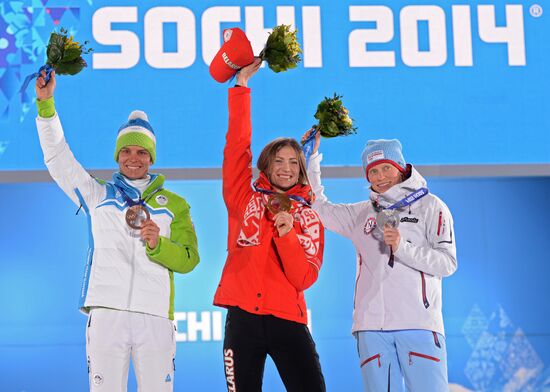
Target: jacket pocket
{"points": [[424, 291]]}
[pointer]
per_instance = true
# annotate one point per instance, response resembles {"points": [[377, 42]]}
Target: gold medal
{"points": [[136, 216], [279, 202]]}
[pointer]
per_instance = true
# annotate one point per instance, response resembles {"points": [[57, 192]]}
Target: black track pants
{"points": [[249, 338]]}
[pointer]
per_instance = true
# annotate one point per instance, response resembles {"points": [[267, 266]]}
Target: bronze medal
{"points": [[279, 202], [136, 216]]}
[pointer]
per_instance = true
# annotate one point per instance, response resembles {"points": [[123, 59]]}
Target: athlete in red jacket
{"points": [[272, 257]]}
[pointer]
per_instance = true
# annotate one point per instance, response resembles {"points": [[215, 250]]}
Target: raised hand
{"points": [[246, 73], [43, 90], [317, 139]]}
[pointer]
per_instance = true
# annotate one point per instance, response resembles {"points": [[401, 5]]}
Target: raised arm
{"points": [[60, 161], [339, 218], [237, 156]]}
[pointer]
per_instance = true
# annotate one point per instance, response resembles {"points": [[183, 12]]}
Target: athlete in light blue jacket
{"points": [[405, 245]]}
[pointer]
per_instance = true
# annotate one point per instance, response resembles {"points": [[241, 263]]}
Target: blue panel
{"points": [[496, 310], [490, 111]]}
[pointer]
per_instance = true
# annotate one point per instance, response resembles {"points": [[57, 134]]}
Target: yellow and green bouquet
{"points": [[65, 55], [282, 50], [334, 119]]}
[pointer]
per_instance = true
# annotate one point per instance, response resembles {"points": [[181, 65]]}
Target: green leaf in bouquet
{"points": [[70, 68], [333, 118], [55, 48], [71, 54], [282, 49], [64, 54]]}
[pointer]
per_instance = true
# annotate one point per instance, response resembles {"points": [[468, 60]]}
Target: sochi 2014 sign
{"points": [[450, 30]]}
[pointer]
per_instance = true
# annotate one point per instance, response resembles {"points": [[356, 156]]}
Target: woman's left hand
{"points": [[392, 237], [284, 222]]}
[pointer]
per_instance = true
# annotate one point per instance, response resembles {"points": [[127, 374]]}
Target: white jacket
{"points": [[121, 272], [407, 295]]}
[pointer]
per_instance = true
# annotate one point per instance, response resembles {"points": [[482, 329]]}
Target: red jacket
{"points": [[264, 273]]}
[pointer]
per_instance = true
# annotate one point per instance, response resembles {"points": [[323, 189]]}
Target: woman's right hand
{"points": [[246, 72], [317, 139], [43, 90]]}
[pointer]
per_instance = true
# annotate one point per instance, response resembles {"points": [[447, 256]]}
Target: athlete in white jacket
{"points": [[128, 287], [397, 318]]}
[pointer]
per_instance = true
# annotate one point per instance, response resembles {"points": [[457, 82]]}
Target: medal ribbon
{"points": [[130, 201], [299, 199], [408, 200], [309, 145], [46, 67]]}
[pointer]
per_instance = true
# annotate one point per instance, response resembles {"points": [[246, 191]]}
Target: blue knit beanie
{"points": [[383, 151]]}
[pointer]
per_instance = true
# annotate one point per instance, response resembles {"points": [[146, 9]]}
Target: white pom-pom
{"points": [[138, 114]]}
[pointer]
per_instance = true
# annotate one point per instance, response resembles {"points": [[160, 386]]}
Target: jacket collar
{"points": [[156, 182], [397, 192]]}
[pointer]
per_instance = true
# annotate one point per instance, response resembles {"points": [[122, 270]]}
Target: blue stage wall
{"points": [[457, 83], [495, 306]]}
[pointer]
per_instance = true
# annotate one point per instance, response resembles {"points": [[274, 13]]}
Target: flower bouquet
{"points": [[64, 56], [282, 50], [334, 120]]}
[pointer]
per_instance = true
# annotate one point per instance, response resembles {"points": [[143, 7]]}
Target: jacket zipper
{"points": [[133, 267], [436, 340], [424, 296], [377, 356], [188, 254], [132, 274], [88, 336], [357, 280], [420, 355], [300, 309]]}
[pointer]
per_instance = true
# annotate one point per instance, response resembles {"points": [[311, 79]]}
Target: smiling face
{"points": [[383, 176], [134, 162], [284, 169]]}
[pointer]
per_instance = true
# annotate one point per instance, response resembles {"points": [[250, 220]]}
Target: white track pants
{"points": [[112, 336]]}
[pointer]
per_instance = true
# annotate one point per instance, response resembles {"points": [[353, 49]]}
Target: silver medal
{"points": [[387, 217]]}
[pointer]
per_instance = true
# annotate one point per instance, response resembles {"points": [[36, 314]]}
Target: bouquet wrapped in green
{"points": [[64, 56], [282, 50], [334, 120]]}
